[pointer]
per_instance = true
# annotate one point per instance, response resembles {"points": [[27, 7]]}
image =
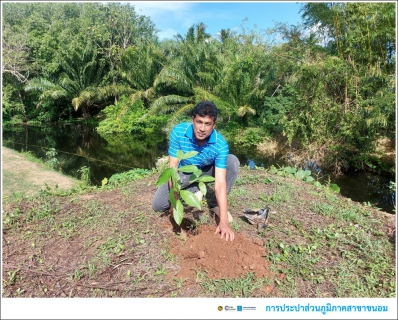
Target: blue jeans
{"points": [[160, 201]]}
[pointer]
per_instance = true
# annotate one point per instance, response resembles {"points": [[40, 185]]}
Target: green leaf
{"points": [[190, 198], [195, 176], [188, 168], [180, 155], [268, 180], [178, 212], [206, 178], [202, 188], [189, 154], [104, 181], [300, 174], [309, 179], [165, 176], [273, 169], [318, 184], [290, 170], [334, 187]]}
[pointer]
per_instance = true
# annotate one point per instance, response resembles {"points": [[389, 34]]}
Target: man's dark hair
{"points": [[205, 108]]}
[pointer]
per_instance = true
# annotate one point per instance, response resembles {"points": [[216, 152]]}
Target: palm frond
{"points": [[170, 76], [39, 84], [225, 108], [113, 90], [77, 102], [245, 110], [182, 111], [167, 104]]}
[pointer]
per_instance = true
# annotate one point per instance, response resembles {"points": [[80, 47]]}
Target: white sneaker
{"points": [[216, 210], [199, 195]]}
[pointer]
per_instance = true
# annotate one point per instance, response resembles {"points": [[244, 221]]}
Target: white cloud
{"points": [[166, 15], [155, 8]]}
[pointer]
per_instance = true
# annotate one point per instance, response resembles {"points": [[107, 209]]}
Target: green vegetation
{"points": [[318, 244], [328, 91], [176, 192]]}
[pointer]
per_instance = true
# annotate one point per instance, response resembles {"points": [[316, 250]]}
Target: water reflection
{"points": [[79, 145]]}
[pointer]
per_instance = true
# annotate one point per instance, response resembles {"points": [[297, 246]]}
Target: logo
{"points": [[240, 308], [219, 308], [229, 308]]}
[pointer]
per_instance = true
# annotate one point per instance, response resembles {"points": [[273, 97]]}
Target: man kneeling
{"points": [[213, 159]]}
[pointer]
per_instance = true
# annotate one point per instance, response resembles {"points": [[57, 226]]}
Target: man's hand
{"points": [[224, 229]]}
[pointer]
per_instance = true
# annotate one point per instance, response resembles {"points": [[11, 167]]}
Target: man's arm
{"points": [[220, 187]]}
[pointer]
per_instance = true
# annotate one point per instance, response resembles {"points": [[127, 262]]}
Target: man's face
{"points": [[202, 127]]}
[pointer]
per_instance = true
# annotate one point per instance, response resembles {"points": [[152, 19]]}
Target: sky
{"points": [[175, 17]]}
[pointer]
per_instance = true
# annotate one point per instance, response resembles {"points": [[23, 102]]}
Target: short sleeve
{"points": [[221, 159]]}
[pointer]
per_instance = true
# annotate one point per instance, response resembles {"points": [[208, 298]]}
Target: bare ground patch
{"points": [[26, 177]]}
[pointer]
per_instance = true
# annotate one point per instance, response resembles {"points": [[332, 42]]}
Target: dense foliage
{"points": [[328, 85]]}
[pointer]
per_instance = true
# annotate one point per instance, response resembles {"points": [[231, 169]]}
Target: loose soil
{"points": [[205, 251]]}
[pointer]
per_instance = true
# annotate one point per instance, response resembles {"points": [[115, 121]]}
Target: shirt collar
{"points": [[189, 133]]}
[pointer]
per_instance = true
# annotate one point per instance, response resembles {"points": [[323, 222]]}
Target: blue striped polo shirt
{"points": [[214, 151]]}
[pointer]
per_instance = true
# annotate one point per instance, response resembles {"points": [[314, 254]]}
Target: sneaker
{"points": [[216, 210], [199, 195]]}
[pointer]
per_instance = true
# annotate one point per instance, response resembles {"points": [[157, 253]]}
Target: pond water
{"points": [[80, 146]]}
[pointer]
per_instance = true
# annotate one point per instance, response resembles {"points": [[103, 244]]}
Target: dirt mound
{"points": [[199, 249], [205, 251]]}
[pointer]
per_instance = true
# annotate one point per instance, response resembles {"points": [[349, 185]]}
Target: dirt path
{"points": [[24, 176]]}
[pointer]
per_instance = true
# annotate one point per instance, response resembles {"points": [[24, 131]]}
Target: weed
{"points": [[235, 225], [120, 179], [179, 282], [281, 195], [12, 277], [85, 174], [51, 159], [76, 275], [19, 291], [160, 271], [248, 179]]}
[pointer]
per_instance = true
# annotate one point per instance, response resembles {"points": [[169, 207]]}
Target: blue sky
{"points": [[174, 17]]}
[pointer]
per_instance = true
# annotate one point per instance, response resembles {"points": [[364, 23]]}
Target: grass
{"points": [[103, 242], [19, 177]]}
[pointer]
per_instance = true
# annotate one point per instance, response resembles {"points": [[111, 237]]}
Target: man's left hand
{"points": [[224, 229]]}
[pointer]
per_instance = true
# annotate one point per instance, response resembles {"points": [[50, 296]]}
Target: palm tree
{"points": [[190, 71], [140, 65], [242, 73], [81, 80], [225, 35]]}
